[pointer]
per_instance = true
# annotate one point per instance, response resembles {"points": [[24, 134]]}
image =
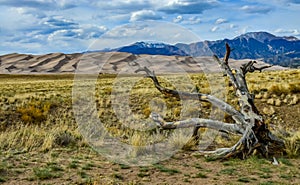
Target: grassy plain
{"points": [[41, 143]]}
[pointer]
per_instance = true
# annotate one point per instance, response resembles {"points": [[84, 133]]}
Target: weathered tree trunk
{"points": [[255, 133]]}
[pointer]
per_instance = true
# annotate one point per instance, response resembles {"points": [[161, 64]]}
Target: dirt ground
{"points": [[84, 166]]}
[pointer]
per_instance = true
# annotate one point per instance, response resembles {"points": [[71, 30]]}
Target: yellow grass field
{"points": [[41, 142]]}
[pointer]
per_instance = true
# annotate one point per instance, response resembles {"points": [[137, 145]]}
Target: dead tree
{"points": [[248, 122]]}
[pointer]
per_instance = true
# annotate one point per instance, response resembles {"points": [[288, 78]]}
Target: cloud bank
{"points": [[42, 26]]}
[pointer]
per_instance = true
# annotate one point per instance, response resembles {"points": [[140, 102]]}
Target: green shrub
{"points": [[45, 173]]}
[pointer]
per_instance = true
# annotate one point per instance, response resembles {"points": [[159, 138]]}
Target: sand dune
{"points": [[108, 62]]}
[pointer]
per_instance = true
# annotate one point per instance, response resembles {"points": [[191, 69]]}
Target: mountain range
{"points": [[262, 46], [152, 49], [284, 51]]}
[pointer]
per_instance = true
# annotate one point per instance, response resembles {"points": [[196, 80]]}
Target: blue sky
{"points": [[44, 26]]}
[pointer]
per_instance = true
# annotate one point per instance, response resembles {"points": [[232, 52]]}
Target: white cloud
{"points": [[126, 31], [60, 22], [122, 6], [214, 29], [28, 24], [255, 9], [47, 5], [194, 20], [188, 6], [221, 21], [243, 30], [178, 19], [294, 32], [144, 15], [157, 31], [41, 34], [232, 26], [82, 32]]}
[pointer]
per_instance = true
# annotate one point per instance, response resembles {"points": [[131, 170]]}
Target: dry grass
{"points": [[36, 116], [292, 144], [35, 137]]}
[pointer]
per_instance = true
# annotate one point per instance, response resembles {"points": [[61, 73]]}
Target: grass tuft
{"points": [[200, 175], [292, 145], [244, 179], [46, 173], [166, 170]]}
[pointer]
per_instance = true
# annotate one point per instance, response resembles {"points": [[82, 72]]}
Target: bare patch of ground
{"points": [[84, 166]]}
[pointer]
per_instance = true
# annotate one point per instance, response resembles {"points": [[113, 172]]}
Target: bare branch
{"points": [[261, 68], [228, 50], [249, 67], [198, 122], [247, 143], [194, 96], [237, 77], [227, 68]]}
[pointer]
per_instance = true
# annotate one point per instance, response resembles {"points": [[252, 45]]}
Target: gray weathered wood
{"points": [[255, 134]]}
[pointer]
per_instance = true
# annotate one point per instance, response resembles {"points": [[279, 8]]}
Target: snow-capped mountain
{"points": [[284, 51], [151, 48]]}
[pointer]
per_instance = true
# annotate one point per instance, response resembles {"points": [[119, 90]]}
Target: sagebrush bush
{"points": [[294, 88], [35, 111], [278, 89], [64, 138], [292, 145], [32, 113]]}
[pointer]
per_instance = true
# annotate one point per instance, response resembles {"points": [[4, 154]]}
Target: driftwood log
{"points": [[248, 122]]}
